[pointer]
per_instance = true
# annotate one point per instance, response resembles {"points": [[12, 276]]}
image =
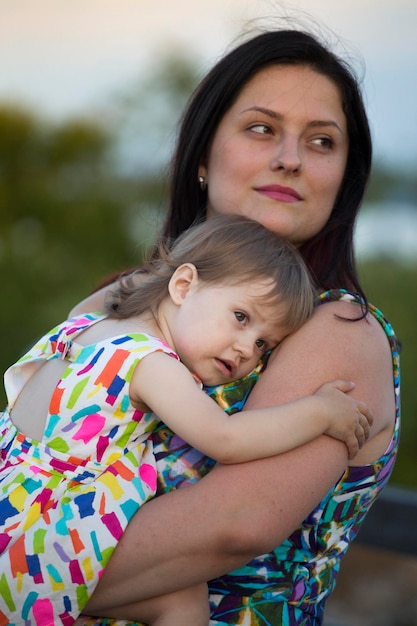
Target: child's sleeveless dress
{"points": [[290, 585], [66, 500]]}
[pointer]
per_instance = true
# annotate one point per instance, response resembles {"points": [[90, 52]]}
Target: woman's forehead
{"points": [[277, 85]]}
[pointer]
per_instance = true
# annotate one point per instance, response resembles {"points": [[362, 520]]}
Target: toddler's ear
{"points": [[182, 281]]}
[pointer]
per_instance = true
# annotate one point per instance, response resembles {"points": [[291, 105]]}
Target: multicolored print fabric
{"points": [[84, 480], [289, 586]]}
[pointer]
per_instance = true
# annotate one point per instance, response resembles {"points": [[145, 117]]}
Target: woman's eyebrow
{"points": [[324, 123], [268, 112], [278, 116]]}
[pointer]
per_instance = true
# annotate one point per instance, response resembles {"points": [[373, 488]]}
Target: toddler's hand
{"points": [[349, 419]]}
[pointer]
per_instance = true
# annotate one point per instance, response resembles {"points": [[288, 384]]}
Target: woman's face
{"points": [[279, 153]]}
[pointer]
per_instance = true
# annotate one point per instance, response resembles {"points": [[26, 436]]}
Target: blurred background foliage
{"points": [[82, 198]]}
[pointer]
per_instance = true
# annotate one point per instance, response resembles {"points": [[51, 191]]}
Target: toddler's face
{"points": [[221, 331]]}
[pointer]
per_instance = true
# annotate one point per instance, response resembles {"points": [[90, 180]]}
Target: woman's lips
{"points": [[277, 192]]}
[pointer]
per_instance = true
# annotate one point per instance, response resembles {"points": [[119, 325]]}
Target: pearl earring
{"points": [[203, 183]]}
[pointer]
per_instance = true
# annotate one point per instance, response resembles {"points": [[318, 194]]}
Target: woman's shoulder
{"points": [[365, 318], [337, 327], [345, 340]]}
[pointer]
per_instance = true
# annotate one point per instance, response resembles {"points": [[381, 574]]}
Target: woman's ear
{"points": [[202, 171], [183, 280]]}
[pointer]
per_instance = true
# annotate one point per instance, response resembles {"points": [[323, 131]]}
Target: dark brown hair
{"points": [[329, 254]]}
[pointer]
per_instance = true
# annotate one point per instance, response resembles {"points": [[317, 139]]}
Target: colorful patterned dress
{"points": [[289, 586], [66, 500]]}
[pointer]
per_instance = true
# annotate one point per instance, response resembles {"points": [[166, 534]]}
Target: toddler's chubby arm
{"points": [[168, 389]]}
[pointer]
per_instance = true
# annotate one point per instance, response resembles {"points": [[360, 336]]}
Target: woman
{"points": [[277, 131]]}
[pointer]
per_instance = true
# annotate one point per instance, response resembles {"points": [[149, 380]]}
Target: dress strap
{"points": [[63, 341], [60, 339]]}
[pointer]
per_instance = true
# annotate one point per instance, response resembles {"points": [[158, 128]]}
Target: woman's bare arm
{"points": [[93, 302], [238, 512]]}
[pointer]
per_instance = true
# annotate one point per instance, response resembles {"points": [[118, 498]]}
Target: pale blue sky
{"points": [[67, 56]]}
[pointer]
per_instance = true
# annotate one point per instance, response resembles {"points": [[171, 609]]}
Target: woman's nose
{"points": [[287, 156]]}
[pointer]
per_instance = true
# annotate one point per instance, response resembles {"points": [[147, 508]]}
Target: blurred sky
{"points": [[67, 56]]}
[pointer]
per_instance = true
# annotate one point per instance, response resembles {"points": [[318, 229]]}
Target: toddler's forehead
{"points": [[262, 288]]}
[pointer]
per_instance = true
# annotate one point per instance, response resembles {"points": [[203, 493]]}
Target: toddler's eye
{"points": [[240, 316], [260, 344]]}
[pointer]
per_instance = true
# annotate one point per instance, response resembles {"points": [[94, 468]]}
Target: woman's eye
{"points": [[323, 142], [240, 316], [260, 344], [262, 129]]}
